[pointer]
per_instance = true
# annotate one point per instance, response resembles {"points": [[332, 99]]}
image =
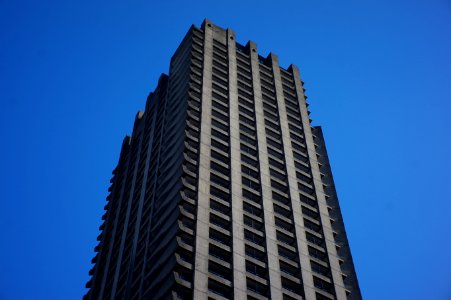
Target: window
{"points": [[291, 286], [218, 288], [311, 213], [252, 252], [245, 111], [248, 150], [277, 174], [322, 297], [220, 146], [252, 223], [302, 166], [220, 181], [314, 239], [247, 139], [312, 226], [218, 105], [276, 153], [317, 253], [246, 120], [244, 78], [252, 237], [301, 157], [256, 287], [220, 125], [255, 269], [281, 237], [219, 237], [250, 161], [280, 210], [274, 143], [220, 222], [281, 187], [219, 115], [219, 270], [282, 224], [288, 269], [220, 80], [303, 177], [276, 164], [322, 285], [218, 252], [280, 198], [320, 269], [218, 168], [274, 134], [250, 184], [219, 193], [251, 209], [215, 205], [219, 134], [249, 172], [251, 196], [284, 252], [247, 130]]}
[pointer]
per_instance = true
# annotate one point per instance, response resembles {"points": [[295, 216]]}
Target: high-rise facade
{"points": [[224, 189]]}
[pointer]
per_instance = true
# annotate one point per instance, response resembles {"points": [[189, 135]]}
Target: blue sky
{"points": [[73, 74]]}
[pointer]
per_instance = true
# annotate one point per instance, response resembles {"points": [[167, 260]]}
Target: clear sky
{"points": [[73, 74]]}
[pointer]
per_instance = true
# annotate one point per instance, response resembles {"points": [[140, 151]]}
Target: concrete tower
{"points": [[224, 189]]}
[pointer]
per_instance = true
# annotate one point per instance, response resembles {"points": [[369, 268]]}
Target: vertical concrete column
{"points": [[347, 267], [203, 207], [239, 271], [142, 193], [138, 139], [318, 184], [120, 199], [292, 183], [268, 208]]}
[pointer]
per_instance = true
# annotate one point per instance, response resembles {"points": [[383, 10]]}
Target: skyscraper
{"points": [[224, 189]]}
